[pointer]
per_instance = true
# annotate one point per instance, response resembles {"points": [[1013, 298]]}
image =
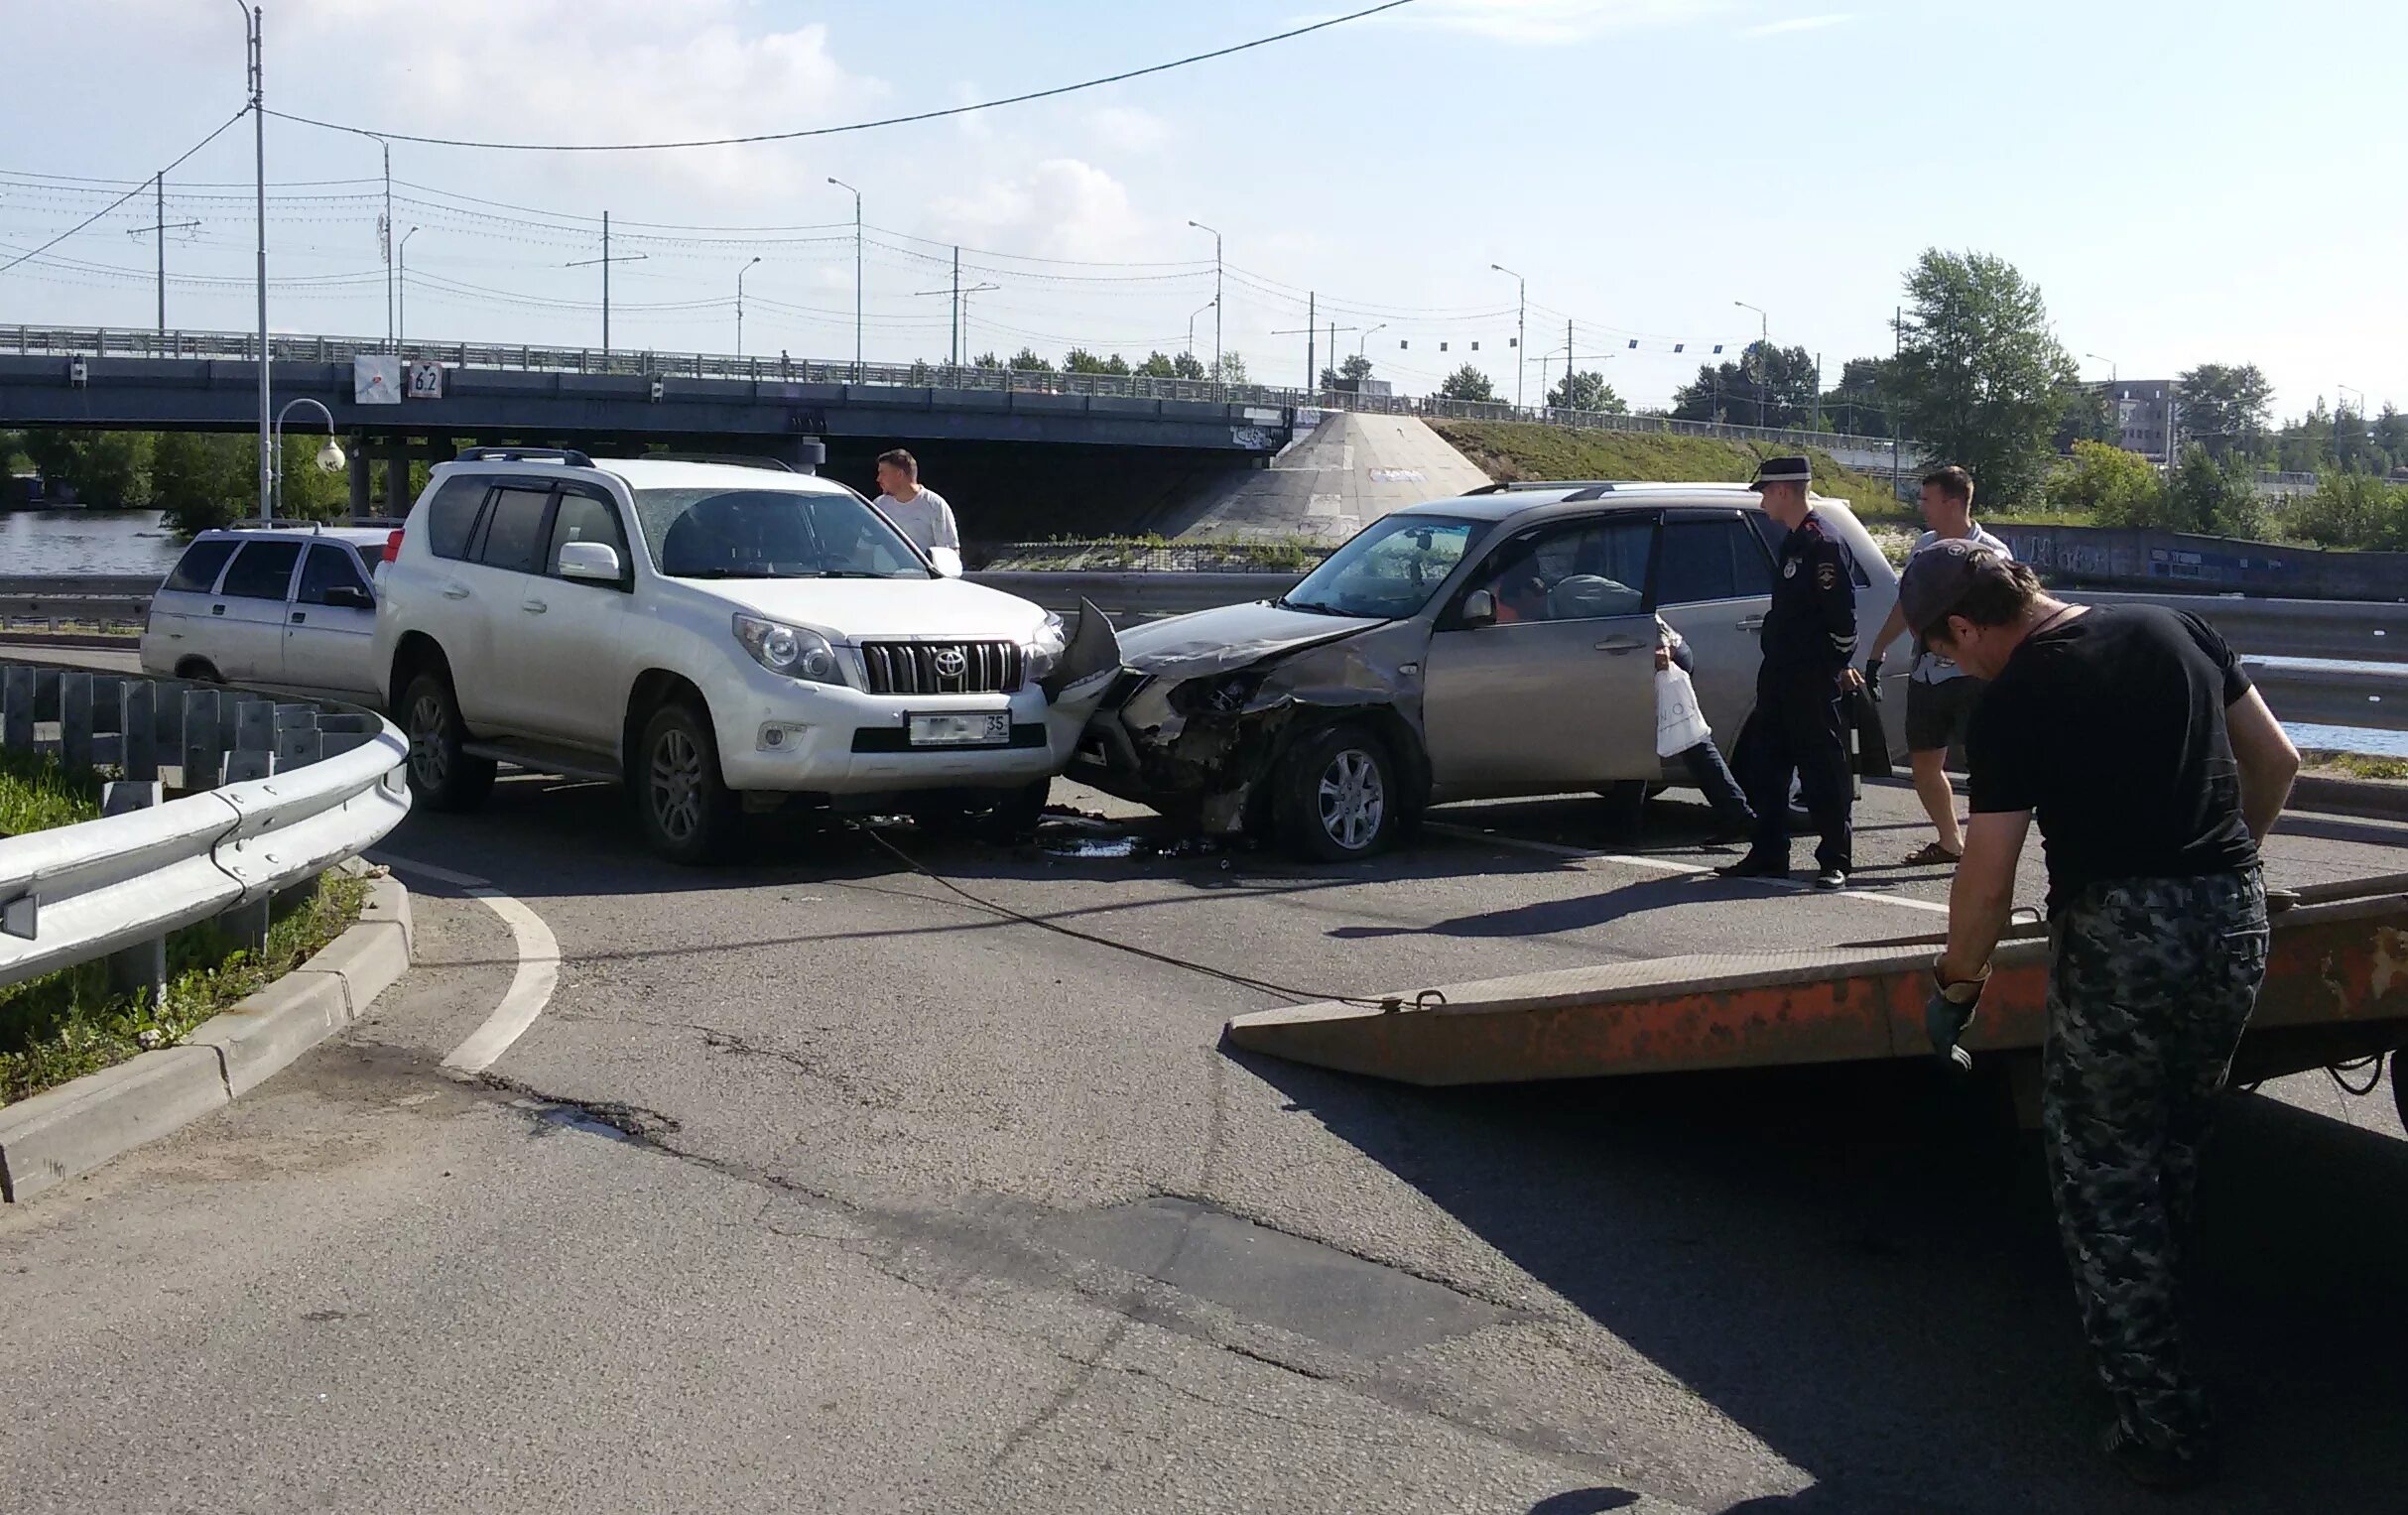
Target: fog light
{"points": [[781, 736]]}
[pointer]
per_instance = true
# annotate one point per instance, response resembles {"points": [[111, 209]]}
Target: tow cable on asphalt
{"points": [[1387, 1004]]}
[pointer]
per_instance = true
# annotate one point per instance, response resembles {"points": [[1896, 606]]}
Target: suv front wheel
{"points": [[688, 811], [442, 776], [1336, 799]]}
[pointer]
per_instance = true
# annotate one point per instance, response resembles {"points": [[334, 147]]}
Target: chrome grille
{"points": [[931, 667]]}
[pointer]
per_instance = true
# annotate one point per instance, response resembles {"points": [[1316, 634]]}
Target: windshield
{"points": [[721, 533], [1390, 569]]}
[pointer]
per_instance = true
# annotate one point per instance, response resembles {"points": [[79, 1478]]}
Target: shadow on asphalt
{"points": [[1860, 1267]]}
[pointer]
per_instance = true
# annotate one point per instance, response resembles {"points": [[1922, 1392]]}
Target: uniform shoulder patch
{"points": [[1828, 575]]}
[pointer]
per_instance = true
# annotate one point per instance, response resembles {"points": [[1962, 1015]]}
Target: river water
{"points": [[85, 542]]}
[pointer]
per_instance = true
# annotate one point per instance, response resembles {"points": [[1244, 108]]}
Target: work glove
{"points": [[1947, 1013], [1872, 675]]}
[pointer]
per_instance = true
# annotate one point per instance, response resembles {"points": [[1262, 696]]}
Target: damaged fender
{"points": [[1088, 668]]}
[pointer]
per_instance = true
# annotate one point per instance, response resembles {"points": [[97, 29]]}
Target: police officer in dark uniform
{"points": [[1802, 688]]}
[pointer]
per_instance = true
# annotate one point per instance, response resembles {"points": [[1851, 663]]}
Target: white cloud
{"points": [[1799, 24], [1063, 207], [1553, 23]]}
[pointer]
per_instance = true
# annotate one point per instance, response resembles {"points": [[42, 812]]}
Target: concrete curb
{"points": [[2374, 797], [80, 1125]]}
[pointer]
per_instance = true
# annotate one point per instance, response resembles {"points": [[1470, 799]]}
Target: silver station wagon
{"points": [[1492, 646]]}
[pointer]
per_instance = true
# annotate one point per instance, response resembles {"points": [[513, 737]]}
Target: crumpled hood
{"points": [[1232, 637]]}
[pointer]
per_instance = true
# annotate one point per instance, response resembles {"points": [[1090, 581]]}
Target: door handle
{"points": [[299, 616], [455, 592], [218, 610], [1618, 645], [533, 606], [1752, 623]]}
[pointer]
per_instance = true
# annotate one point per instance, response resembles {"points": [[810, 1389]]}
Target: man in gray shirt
{"points": [[1940, 695], [922, 513]]}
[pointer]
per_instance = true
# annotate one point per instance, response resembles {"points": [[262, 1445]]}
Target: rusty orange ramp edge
{"points": [[2333, 963]]}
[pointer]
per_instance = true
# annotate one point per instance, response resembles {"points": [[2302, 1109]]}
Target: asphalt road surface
{"points": [[816, 1186]]}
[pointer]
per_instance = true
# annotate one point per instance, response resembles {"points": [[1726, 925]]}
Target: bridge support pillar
{"points": [[359, 471], [397, 477]]}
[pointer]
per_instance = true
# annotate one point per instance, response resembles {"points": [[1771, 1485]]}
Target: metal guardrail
{"points": [[273, 794], [102, 342]]}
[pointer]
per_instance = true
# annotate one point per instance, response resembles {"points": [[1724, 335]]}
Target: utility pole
{"points": [[841, 184], [254, 27], [1312, 325], [1307, 332], [1569, 350], [1764, 372], [1897, 351], [1216, 307], [401, 304], [1521, 318], [159, 225], [392, 315], [607, 259], [957, 347], [740, 272]]}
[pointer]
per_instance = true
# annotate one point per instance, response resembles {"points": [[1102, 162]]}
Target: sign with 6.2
{"points": [[426, 381]]}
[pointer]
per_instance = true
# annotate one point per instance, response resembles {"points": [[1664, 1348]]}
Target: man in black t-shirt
{"points": [[2155, 770]]}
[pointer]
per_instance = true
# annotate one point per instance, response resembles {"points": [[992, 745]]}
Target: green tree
{"points": [[988, 360], [1233, 368], [2391, 437], [2353, 510], [104, 468], [2224, 407], [1586, 392], [1188, 366], [1862, 401], [1353, 371], [2087, 415], [1765, 386], [1980, 375], [2115, 487], [1025, 361], [1158, 365], [1468, 383], [2305, 445], [2213, 498], [204, 480], [1080, 360]]}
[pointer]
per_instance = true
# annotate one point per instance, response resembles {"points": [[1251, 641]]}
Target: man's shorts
{"points": [[1936, 713]]}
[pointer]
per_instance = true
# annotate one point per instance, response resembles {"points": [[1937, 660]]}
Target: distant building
{"points": [[1362, 386], [2144, 415]]}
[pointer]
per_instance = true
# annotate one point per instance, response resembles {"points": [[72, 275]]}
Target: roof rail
{"points": [[731, 460], [567, 456], [1517, 487], [295, 524]]}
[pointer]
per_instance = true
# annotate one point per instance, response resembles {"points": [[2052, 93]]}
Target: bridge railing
{"points": [[270, 794], [95, 341]]}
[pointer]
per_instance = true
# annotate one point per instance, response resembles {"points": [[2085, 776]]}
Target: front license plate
{"points": [[971, 728]]}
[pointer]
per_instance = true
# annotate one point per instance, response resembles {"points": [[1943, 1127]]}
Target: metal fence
{"points": [[268, 794], [100, 341]]}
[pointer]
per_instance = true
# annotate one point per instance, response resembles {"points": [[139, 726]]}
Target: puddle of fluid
{"points": [[1093, 847]]}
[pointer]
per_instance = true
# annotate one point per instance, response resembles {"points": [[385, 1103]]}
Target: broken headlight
{"points": [[1043, 655], [1224, 695]]}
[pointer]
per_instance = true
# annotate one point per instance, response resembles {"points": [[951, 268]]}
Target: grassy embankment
{"points": [[68, 1024]]}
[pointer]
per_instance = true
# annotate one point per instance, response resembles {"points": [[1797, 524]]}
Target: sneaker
{"points": [[1830, 879], [2152, 1467], [1752, 867]]}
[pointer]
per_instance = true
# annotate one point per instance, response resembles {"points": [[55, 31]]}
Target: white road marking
{"points": [[1648, 864], [530, 983]]}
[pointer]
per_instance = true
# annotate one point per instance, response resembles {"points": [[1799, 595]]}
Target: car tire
{"points": [[682, 799], [442, 776], [1336, 799], [198, 671]]}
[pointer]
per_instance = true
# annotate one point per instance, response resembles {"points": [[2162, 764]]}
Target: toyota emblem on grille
{"points": [[951, 664]]}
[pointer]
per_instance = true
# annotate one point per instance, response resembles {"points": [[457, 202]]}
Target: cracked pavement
{"points": [[817, 1187]]}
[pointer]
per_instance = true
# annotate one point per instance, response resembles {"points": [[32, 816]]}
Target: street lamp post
{"points": [[841, 184], [2113, 375], [961, 310], [1764, 372], [256, 52], [1366, 337], [740, 272], [329, 456], [1200, 227], [1521, 318], [1211, 305], [400, 292]]}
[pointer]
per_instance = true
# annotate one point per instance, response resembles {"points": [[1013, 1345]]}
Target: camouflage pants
{"points": [[2153, 981]]}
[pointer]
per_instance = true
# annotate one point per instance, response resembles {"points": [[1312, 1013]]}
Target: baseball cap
{"points": [[1794, 469], [1940, 575]]}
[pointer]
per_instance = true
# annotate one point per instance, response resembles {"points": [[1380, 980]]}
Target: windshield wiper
{"points": [[1309, 607]]}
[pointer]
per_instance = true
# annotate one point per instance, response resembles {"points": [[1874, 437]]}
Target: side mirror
{"points": [[351, 597], [947, 561], [1479, 608], [593, 562]]}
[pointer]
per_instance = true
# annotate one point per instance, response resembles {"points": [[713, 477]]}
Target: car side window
{"points": [[513, 537], [328, 568], [1710, 560], [196, 572], [261, 571], [583, 517], [1580, 571], [451, 515]]}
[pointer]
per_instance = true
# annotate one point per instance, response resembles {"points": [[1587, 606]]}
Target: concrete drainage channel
{"points": [[80, 1125]]}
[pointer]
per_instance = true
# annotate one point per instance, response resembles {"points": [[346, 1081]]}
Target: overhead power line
{"points": [[127, 196], [856, 126]]}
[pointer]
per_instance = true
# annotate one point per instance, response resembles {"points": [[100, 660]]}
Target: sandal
{"points": [[1932, 854]]}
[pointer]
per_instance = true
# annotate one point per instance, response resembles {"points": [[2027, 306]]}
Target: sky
{"points": [[2186, 181]]}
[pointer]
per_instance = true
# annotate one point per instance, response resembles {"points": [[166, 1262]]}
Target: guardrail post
{"points": [[201, 753], [298, 741], [255, 727], [75, 723], [17, 708], [142, 969]]}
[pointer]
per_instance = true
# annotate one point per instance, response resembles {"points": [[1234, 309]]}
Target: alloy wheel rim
{"points": [[676, 785], [1352, 800], [427, 758]]}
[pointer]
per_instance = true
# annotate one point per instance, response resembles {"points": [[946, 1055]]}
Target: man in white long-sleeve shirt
{"points": [[922, 513]]}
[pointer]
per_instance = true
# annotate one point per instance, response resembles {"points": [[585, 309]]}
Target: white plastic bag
{"points": [[1680, 724]]}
